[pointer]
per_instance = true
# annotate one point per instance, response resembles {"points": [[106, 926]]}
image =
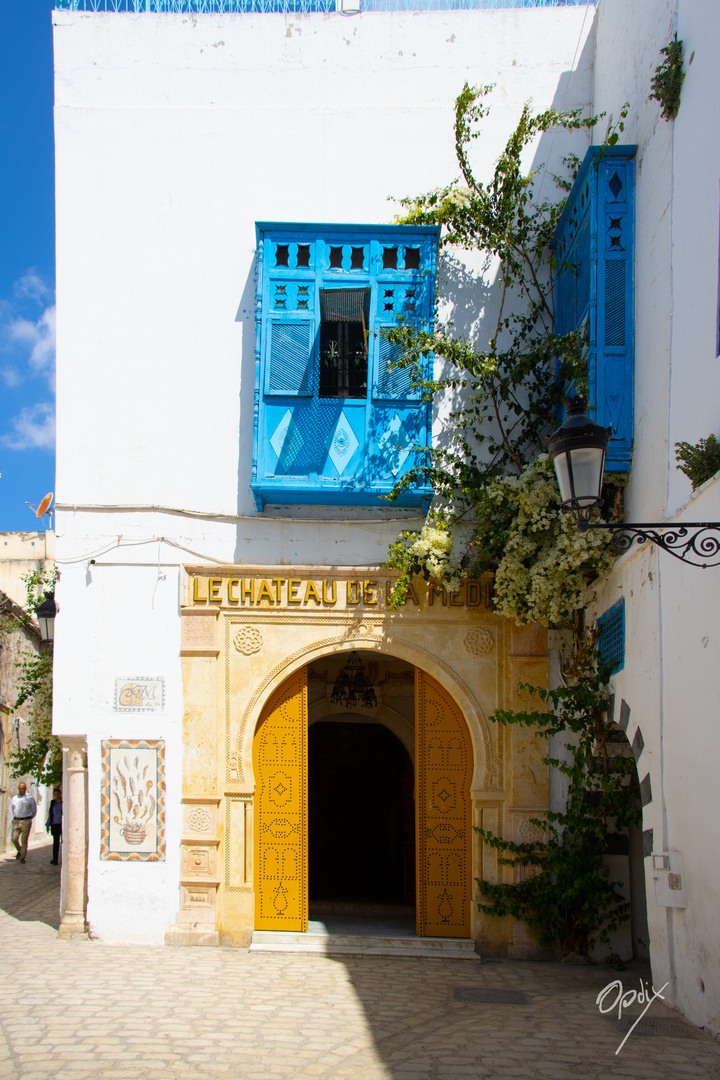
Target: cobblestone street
{"points": [[78, 1009]]}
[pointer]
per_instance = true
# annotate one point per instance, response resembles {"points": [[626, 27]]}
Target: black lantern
{"points": [[578, 452], [46, 613], [352, 686]]}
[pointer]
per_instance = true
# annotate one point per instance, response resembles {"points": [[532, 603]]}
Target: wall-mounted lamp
{"points": [[45, 614], [578, 452]]}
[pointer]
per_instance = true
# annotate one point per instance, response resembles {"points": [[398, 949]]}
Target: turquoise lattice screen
{"points": [[241, 7], [611, 636]]}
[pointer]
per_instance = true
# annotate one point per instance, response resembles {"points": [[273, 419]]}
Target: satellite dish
{"points": [[44, 505]]}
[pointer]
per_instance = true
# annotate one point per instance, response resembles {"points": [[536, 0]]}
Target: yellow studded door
{"points": [[280, 844], [443, 761]]}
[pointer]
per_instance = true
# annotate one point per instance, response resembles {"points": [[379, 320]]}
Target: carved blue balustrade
{"points": [[335, 423], [240, 7], [594, 286]]}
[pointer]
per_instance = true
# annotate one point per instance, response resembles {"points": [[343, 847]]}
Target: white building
{"points": [[665, 695], [175, 134]]}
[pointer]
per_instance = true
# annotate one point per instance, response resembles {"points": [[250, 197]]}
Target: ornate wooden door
{"points": [[443, 762], [280, 831]]}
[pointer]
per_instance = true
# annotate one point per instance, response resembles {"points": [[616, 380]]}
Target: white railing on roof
{"points": [[241, 7]]}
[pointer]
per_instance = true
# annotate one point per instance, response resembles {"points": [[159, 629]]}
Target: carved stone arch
{"points": [[392, 646]]}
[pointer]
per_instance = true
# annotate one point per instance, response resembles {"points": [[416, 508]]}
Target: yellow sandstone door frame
{"points": [[443, 768]]}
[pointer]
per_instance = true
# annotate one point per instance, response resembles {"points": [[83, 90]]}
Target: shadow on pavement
{"points": [[503, 1021], [30, 891]]}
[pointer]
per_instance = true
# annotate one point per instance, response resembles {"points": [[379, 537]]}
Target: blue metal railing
{"points": [[240, 7]]}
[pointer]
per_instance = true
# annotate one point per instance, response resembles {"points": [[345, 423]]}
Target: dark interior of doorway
{"points": [[361, 818]]}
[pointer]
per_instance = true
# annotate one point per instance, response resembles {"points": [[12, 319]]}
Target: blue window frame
{"points": [[611, 636], [335, 422], [594, 287]]}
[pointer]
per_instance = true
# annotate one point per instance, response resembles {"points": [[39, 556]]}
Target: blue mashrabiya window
{"points": [[336, 422]]}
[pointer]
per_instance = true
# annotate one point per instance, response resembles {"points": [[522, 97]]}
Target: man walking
{"points": [[24, 809]]}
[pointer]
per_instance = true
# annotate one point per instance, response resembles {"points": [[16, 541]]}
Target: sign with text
{"points": [[269, 591]]}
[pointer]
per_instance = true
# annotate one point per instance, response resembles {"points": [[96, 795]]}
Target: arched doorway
{"points": [[443, 762], [361, 814]]}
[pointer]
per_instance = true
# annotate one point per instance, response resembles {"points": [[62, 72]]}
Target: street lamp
{"points": [[578, 452], [46, 613]]}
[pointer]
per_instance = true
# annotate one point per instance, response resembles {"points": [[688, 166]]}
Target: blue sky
{"points": [[27, 261]]}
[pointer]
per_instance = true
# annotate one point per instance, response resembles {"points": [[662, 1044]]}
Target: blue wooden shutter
{"points": [[391, 382], [289, 358], [594, 282], [401, 295]]}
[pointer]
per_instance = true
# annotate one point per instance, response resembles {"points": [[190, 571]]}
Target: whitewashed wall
{"points": [[174, 135], [669, 681]]}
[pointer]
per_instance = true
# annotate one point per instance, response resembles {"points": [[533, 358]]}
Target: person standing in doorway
{"points": [[54, 824], [24, 809]]}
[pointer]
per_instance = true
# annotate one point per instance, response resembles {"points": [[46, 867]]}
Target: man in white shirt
{"points": [[24, 809]]}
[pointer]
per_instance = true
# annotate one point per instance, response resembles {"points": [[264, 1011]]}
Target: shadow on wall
{"points": [[246, 366], [471, 296]]}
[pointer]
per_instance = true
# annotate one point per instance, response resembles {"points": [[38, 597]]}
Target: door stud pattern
{"points": [[444, 761], [280, 764]]}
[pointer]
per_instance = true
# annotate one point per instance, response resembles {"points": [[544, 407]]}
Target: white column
{"points": [[73, 922]]}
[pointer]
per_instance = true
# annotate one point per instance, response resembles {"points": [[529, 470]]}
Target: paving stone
{"points": [[134, 1013]]}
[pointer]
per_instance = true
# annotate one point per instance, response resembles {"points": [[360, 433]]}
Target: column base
{"points": [[73, 926]]}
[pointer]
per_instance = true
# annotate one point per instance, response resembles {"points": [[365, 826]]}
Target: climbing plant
{"points": [[41, 757], [666, 84], [699, 461], [485, 473], [564, 888]]}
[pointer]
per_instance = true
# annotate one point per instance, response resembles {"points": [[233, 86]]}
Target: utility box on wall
{"points": [[668, 874]]}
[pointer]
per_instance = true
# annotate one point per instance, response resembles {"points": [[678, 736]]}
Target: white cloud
{"points": [[27, 330], [32, 429], [38, 338], [10, 376], [27, 338], [31, 285]]}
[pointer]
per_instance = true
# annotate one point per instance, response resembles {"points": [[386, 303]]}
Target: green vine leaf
{"points": [[699, 461], [488, 471], [41, 756], [565, 891], [667, 81]]}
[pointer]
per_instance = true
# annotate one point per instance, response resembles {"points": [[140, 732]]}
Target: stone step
{"points": [[327, 944]]}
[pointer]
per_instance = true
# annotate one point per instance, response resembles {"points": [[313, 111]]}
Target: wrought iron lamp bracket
{"points": [[696, 543]]}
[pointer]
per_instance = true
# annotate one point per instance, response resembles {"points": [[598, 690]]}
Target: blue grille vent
{"points": [[615, 290], [611, 636], [300, 7]]}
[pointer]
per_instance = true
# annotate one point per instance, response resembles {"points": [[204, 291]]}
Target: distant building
{"points": [[20, 554]]}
